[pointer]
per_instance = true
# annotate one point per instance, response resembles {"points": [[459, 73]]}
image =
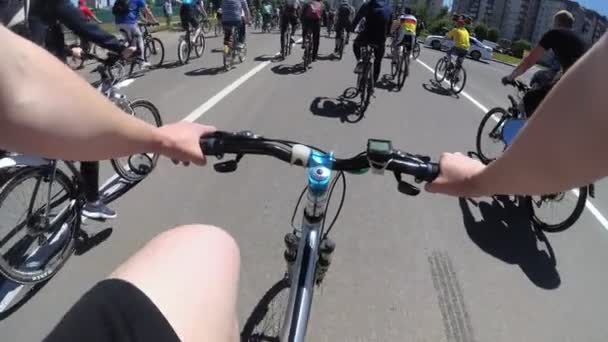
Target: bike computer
{"points": [[379, 152]]}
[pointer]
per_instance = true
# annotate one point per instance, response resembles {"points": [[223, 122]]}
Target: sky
{"points": [[599, 5]]}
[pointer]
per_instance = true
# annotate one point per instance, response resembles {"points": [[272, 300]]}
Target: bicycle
{"points": [[416, 50], [286, 42], [365, 76], [186, 44], [218, 27], [503, 128], [340, 42], [307, 43], [454, 73], [232, 50], [309, 249], [400, 64], [154, 50], [257, 22]]}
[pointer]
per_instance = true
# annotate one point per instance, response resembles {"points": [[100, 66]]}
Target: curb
{"points": [[505, 63]]}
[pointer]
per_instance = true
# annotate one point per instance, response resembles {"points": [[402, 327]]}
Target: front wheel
{"points": [[199, 45], [136, 167], [557, 212], [37, 234], [458, 80], [489, 142], [183, 51], [416, 51], [155, 52], [441, 69], [266, 320]]}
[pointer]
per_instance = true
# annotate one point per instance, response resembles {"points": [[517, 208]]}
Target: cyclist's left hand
{"points": [[457, 176], [181, 142], [76, 52]]}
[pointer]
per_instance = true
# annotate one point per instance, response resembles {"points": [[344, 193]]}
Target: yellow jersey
{"points": [[460, 35]]}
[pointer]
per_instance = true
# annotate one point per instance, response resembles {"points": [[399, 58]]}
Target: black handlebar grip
{"points": [[211, 146], [433, 172]]}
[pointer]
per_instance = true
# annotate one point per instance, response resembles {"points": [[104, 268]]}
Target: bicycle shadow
{"points": [[284, 69], [438, 89], [387, 83], [506, 232], [264, 323], [330, 57], [205, 71], [340, 108]]}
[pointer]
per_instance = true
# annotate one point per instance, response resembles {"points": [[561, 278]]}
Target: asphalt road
{"points": [[426, 268]]}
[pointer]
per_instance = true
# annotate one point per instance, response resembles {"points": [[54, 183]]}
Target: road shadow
{"points": [[387, 83], [265, 58], [206, 71], [284, 69], [330, 57], [342, 108], [216, 50], [436, 88], [506, 232], [172, 65], [264, 323], [14, 295]]}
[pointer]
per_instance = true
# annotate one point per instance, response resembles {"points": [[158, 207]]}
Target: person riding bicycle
{"points": [[289, 16], [311, 22], [404, 33], [460, 36], [126, 13], [266, 14], [235, 13], [377, 15], [331, 18], [567, 46], [90, 16], [344, 16], [187, 14]]}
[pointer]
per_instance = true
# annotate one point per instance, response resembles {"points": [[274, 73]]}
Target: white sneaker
{"points": [[146, 65]]}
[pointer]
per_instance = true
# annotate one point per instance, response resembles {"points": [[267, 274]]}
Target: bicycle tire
{"points": [[262, 325], [416, 51], [71, 216], [456, 77], [120, 165], [340, 47], [154, 47], [495, 133], [199, 45], [205, 26], [183, 51], [395, 64], [403, 69], [441, 66], [569, 220]]}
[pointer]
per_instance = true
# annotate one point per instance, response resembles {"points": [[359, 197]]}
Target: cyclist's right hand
{"points": [[506, 80], [181, 142]]}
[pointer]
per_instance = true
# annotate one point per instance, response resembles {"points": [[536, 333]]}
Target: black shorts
{"points": [[187, 15], [113, 310]]}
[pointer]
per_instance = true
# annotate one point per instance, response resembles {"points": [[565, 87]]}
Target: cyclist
{"points": [[187, 14], [276, 14], [377, 15], [168, 12], [44, 28], [289, 17], [311, 21], [404, 33], [126, 13], [235, 13], [345, 14], [266, 14], [86, 11], [331, 17], [460, 36], [567, 46]]}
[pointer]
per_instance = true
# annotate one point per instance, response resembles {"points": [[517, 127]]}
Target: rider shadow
{"points": [[506, 232], [266, 318], [283, 69], [342, 108], [205, 71], [13, 295], [438, 89]]}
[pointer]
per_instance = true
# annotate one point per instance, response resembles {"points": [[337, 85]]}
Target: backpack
{"points": [[120, 8], [313, 10], [14, 14]]}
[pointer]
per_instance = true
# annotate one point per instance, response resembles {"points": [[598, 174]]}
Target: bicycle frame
{"points": [[303, 272]]}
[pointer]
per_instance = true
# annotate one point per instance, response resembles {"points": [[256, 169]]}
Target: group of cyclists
{"points": [[144, 299]]}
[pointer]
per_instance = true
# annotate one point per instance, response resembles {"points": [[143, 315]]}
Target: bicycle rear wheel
{"points": [[367, 88], [205, 26], [340, 46], [266, 320], [183, 51], [416, 51], [458, 80], [34, 246], [489, 142], [199, 45], [155, 52], [557, 212], [404, 65], [136, 167], [440, 69]]}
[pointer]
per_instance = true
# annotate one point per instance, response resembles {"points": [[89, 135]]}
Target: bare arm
{"points": [[48, 110], [148, 14], [535, 55], [560, 148]]}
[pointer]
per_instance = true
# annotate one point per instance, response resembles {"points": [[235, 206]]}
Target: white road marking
{"points": [[590, 206]]}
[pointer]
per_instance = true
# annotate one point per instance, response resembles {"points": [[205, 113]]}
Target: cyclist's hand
{"points": [[456, 177], [128, 52], [183, 142], [506, 80], [76, 52]]}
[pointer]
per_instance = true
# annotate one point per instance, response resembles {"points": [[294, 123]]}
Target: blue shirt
{"points": [[131, 17], [232, 10]]}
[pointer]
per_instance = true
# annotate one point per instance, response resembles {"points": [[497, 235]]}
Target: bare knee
{"points": [[199, 238]]}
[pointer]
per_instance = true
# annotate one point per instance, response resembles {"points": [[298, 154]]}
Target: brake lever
{"points": [[405, 187], [228, 166]]}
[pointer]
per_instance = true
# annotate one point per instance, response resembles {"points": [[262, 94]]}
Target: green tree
{"points": [[481, 31], [492, 35], [441, 26], [421, 11], [443, 12], [519, 47]]}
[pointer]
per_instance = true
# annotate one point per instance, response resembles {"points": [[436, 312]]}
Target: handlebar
{"points": [[517, 84], [242, 143]]}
